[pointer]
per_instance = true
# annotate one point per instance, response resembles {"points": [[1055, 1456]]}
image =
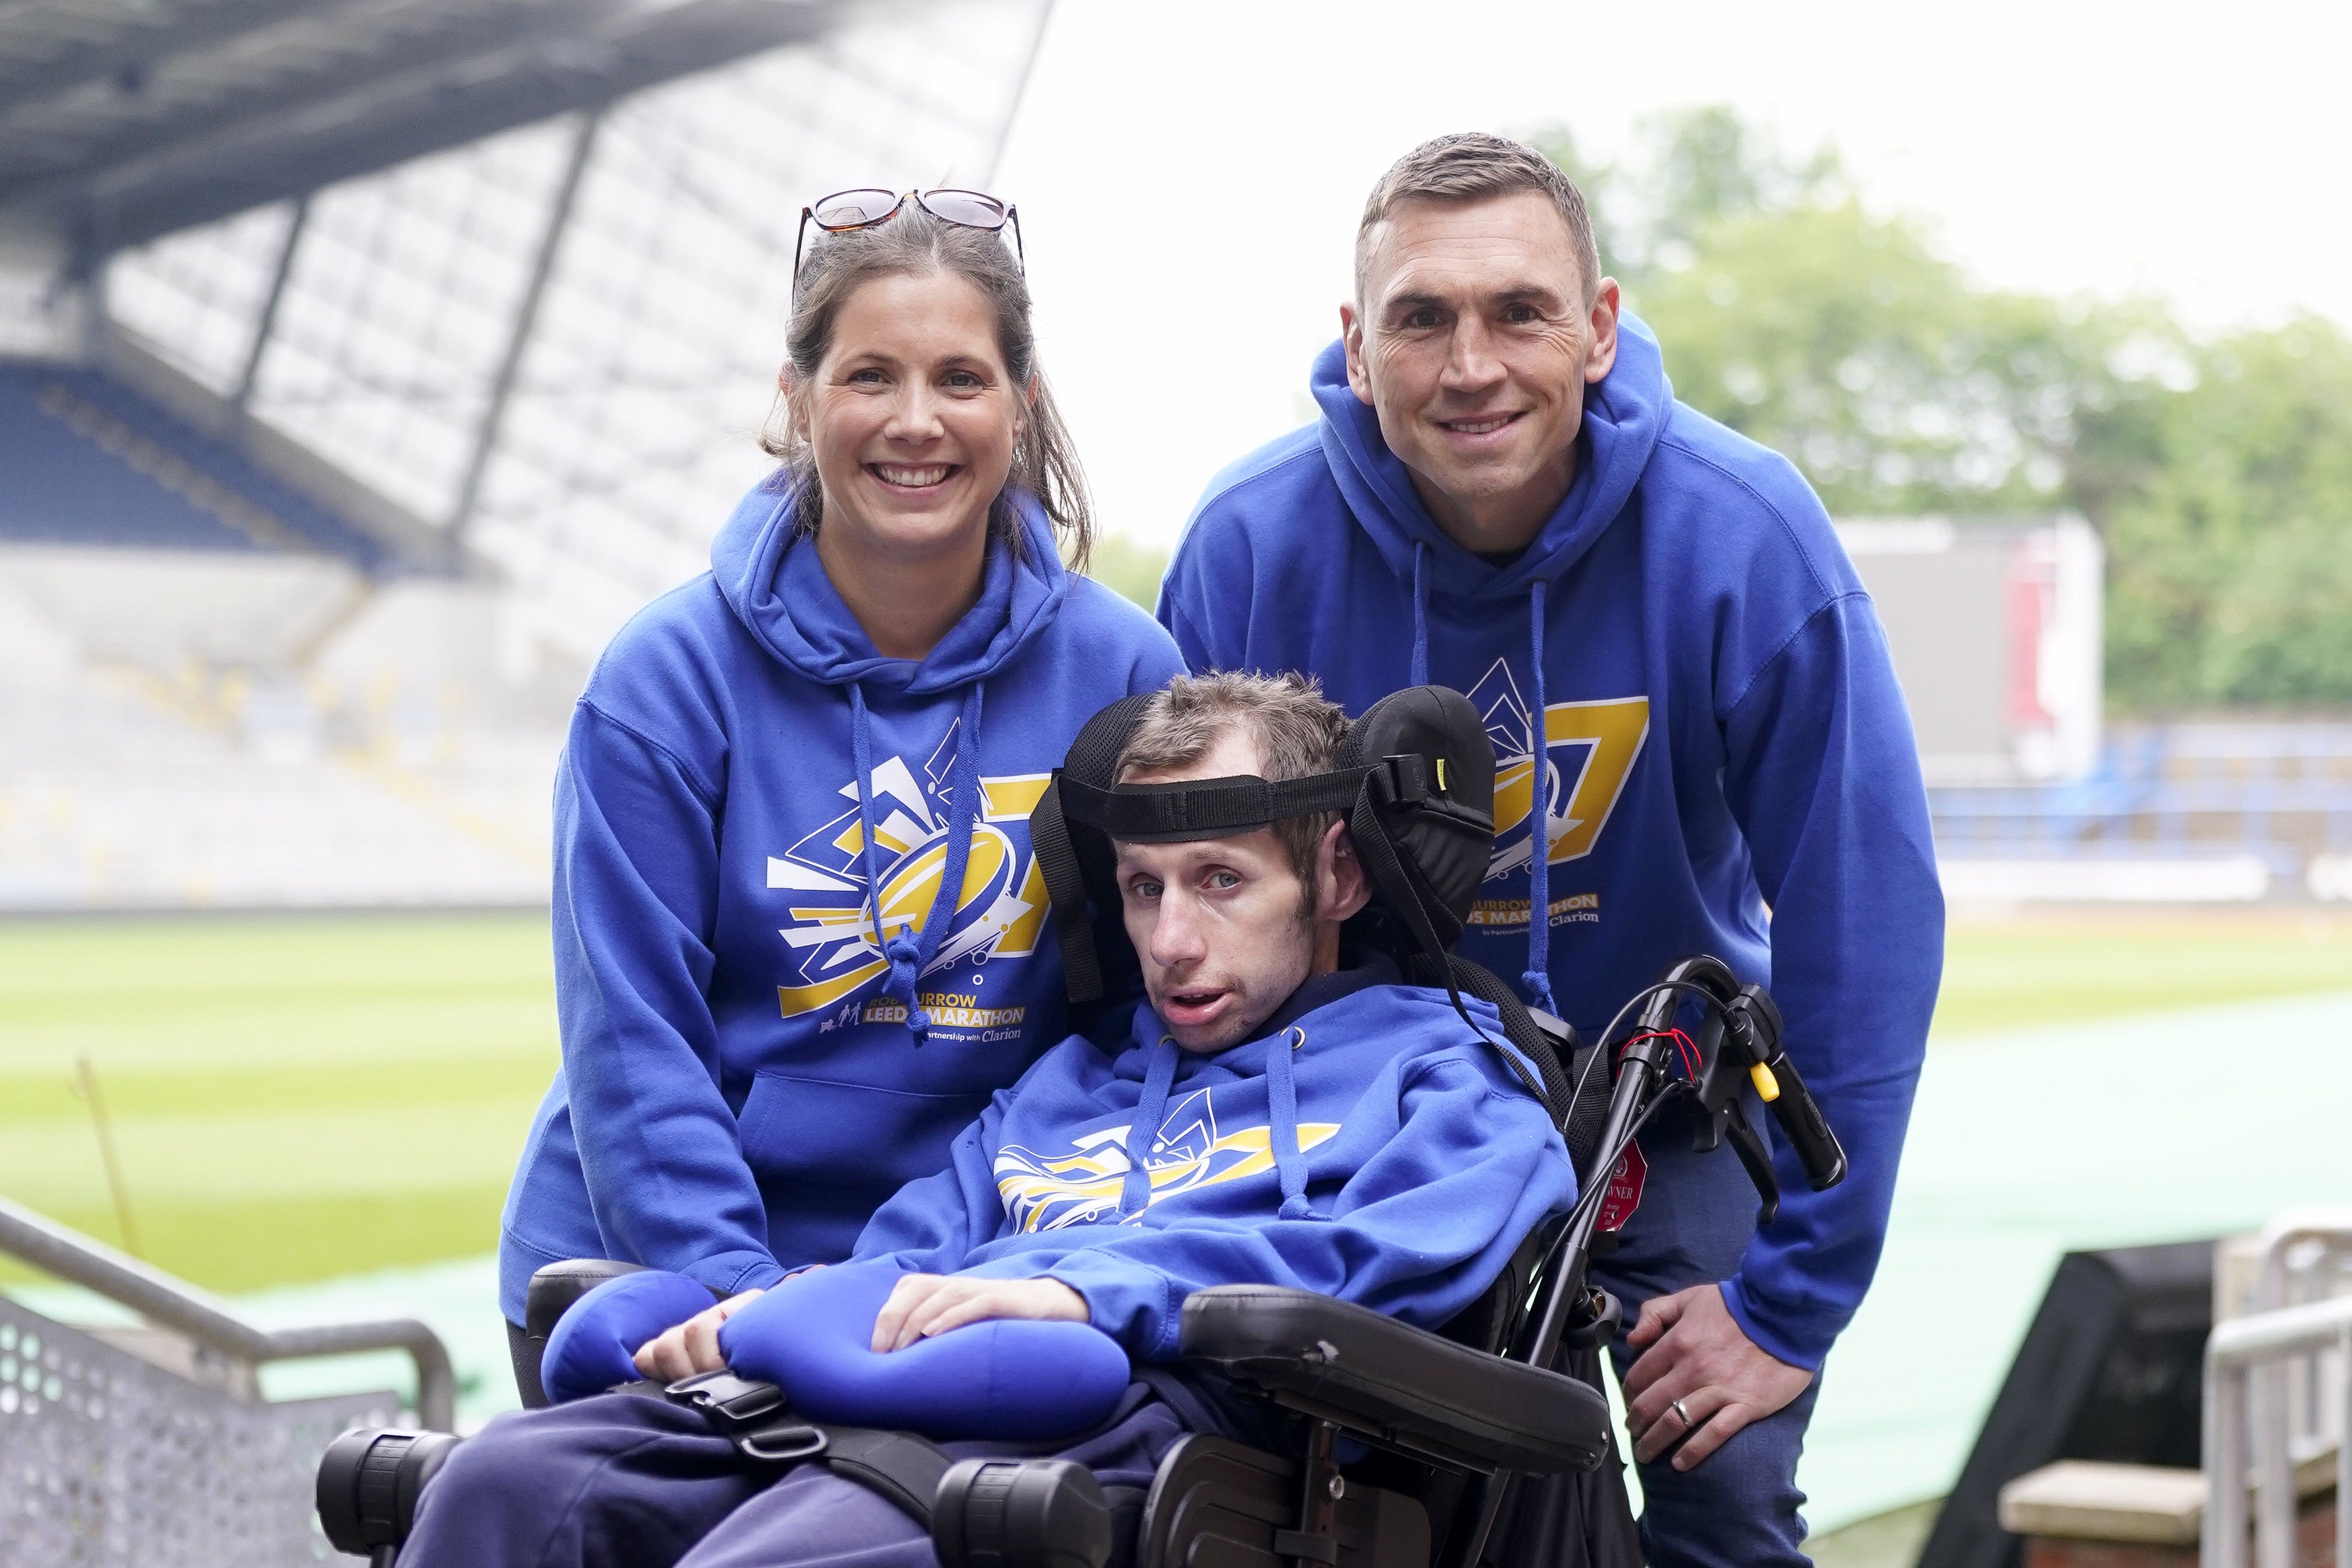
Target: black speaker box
{"points": [[2111, 1369]]}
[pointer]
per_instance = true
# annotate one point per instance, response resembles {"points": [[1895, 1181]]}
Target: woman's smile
{"points": [[908, 476]]}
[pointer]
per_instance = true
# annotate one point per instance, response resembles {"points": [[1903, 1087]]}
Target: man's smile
{"points": [[1480, 425]]}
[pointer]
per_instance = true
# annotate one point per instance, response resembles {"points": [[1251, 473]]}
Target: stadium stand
{"points": [[127, 785], [90, 462], [2209, 811], [362, 369]]}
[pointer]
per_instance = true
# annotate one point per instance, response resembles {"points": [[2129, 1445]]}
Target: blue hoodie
{"points": [[1369, 1146], [748, 793], [1723, 737]]}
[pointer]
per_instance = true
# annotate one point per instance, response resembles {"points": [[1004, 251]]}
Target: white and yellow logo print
{"points": [[1589, 749], [1082, 1187], [998, 912]]}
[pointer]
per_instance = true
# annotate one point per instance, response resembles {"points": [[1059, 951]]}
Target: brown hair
{"points": [[1296, 729], [1045, 460], [1470, 167]]}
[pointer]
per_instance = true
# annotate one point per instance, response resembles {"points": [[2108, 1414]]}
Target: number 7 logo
{"points": [[1580, 789]]}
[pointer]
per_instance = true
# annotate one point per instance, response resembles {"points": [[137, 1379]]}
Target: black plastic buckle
{"points": [[783, 1442], [1408, 779], [730, 1401]]}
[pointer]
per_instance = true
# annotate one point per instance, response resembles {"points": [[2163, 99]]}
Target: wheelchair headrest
{"points": [[1414, 782]]}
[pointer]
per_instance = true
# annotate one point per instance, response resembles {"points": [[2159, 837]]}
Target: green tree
{"points": [[2230, 530], [1839, 337], [1129, 567], [2219, 474]]}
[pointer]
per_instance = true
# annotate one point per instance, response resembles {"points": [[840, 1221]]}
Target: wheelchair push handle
{"points": [[1752, 1029]]}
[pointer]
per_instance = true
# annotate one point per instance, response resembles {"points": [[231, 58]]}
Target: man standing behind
{"points": [[1503, 496]]}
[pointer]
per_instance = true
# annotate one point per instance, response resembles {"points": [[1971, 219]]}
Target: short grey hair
{"points": [[1470, 167], [1296, 729]]}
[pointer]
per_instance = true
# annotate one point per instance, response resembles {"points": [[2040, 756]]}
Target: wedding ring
{"points": [[1683, 1414]]}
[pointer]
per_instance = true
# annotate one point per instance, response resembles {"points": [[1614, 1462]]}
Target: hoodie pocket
{"points": [[849, 1134]]}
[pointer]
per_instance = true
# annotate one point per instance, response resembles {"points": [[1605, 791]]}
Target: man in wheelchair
{"points": [[1287, 1112]]}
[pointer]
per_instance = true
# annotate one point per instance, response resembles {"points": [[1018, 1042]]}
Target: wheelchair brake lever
{"points": [[1707, 1136], [1723, 1075], [1757, 1160], [1755, 1024]]}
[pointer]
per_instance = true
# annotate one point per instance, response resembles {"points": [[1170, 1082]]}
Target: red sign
{"points": [[1624, 1195]]}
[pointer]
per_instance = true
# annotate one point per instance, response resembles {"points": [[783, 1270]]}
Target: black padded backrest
{"points": [[1439, 842]]}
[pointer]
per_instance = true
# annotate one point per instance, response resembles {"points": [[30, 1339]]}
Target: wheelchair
{"points": [[1391, 1447], [1487, 1442]]}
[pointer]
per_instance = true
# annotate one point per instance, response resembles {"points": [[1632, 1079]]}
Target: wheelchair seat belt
{"points": [[900, 1465]]}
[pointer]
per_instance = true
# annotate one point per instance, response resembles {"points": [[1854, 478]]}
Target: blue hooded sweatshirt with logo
{"points": [[1370, 1145], [1727, 765], [771, 1019]]}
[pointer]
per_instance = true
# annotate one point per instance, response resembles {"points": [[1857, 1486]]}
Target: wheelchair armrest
{"points": [[554, 1287], [1396, 1384]]}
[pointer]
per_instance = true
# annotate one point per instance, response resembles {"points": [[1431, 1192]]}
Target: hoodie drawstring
{"points": [[1282, 1122], [1420, 613], [911, 949], [1538, 978], [1135, 1193]]}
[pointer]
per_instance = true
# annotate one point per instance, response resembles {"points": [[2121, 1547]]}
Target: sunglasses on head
{"points": [[846, 210]]}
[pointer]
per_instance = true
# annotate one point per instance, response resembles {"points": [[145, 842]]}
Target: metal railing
{"points": [[174, 1304], [2278, 1389]]}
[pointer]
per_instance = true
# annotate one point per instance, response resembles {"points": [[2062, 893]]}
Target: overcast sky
{"points": [[1189, 176]]}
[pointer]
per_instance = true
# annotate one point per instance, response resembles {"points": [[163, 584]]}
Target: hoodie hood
{"points": [[1623, 416], [769, 577]]}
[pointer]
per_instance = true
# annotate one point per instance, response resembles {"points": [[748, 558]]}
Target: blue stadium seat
{"points": [[90, 462]]}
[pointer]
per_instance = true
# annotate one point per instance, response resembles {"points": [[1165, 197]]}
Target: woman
{"points": [[800, 935]]}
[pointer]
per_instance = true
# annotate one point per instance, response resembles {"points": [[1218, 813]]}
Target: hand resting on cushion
{"points": [[1011, 1359], [979, 1377]]}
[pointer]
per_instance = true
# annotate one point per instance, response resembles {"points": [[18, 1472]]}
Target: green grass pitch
{"points": [[291, 1098], [294, 1098]]}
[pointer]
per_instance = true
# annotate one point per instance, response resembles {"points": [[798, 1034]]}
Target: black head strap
{"points": [[1219, 808]]}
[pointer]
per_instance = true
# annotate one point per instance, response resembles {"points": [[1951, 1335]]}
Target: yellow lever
{"points": [[1767, 1088]]}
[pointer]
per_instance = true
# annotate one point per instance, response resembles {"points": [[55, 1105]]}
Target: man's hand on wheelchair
{"points": [[921, 1305], [1699, 1377], [693, 1346]]}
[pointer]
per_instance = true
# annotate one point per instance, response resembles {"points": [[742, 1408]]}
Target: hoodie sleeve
{"points": [[1418, 1232], [636, 888], [1823, 778]]}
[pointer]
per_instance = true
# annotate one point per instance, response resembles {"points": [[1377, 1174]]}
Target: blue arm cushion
{"points": [[1010, 1378], [591, 1346]]}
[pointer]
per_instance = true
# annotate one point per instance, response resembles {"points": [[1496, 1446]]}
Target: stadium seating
{"points": [[89, 461], [112, 795]]}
